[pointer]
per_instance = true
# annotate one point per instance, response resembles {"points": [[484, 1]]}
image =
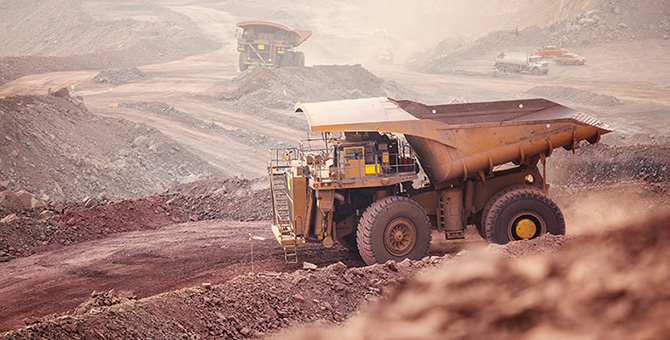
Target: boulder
{"points": [[37, 204], [25, 199], [9, 201]]}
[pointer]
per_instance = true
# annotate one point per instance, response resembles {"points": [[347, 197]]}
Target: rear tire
{"points": [[521, 212], [393, 228], [299, 59], [286, 59], [243, 58]]}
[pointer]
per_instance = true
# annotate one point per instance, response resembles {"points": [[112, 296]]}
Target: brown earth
{"points": [[66, 35], [229, 199], [610, 285], [57, 149]]}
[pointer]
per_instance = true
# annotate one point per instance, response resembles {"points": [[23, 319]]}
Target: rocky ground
{"points": [[115, 223], [24, 232], [91, 36], [118, 76], [610, 285], [264, 91], [55, 148]]}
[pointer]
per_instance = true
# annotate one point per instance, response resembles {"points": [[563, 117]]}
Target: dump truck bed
{"points": [[299, 36], [457, 141]]}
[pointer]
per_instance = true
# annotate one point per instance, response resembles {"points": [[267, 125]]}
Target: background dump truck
{"points": [[385, 172], [269, 44], [521, 62]]}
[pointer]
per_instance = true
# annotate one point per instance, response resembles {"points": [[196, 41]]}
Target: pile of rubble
{"points": [[267, 91], [58, 150], [611, 285], [118, 76], [599, 164], [34, 225]]}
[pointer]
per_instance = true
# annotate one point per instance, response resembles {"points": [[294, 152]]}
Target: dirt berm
{"points": [[58, 150], [608, 286], [268, 91]]}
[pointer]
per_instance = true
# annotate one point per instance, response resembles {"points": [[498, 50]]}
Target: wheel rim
{"points": [[526, 226], [400, 236]]}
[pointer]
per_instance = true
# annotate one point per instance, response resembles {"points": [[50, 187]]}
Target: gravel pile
{"points": [[59, 151], [612, 285], [245, 307], [269, 92], [119, 76]]}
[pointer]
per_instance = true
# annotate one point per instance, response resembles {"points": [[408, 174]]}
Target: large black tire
{"points": [[349, 242], [536, 71], [286, 59], [242, 65], [299, 59], [521, 212], [393, 228]]}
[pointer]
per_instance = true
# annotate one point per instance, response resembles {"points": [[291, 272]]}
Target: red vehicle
{"points": [[550, 51]]}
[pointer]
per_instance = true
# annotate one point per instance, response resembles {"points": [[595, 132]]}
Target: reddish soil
{"points": [[145, 262], [604, 286]]}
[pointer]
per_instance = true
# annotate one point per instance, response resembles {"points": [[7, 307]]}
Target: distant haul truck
{"points": [[269, 44], [521, 63], [387, 171]]}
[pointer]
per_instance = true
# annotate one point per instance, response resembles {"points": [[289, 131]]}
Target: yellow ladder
{"points": [[282, 212]]}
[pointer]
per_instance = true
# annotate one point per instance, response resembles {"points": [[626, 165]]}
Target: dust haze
{"points": [[134, 169]]}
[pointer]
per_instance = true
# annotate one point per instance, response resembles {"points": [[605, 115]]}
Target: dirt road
{"points": [[146, 263]]}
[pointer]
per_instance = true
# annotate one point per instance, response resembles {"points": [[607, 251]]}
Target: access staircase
{"points": [[281, 201]]}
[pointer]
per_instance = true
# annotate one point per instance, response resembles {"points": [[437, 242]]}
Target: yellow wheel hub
{"points": [[526, 228]]}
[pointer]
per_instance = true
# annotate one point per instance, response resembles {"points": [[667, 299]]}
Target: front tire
{"points": [[299, 59], [393, 228], [243, 58], [286, 59], [521, 212], [536, 71]]}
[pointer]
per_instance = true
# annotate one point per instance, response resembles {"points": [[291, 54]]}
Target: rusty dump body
{"points": [[457, 164]]}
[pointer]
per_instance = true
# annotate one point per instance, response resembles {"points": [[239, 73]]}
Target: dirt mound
{"points": [[188, 119], [118, 76], [244, 307], [283, 87], [57, 149], [234, 199], [598, 164], [574, 95], [265, 90], [30, 231], [545, 243], [605, 286], [65, 35], [610, 21]]}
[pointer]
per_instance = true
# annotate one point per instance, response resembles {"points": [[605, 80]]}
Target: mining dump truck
{"points": [[521, 63], [384, 172], [269, 44]]}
